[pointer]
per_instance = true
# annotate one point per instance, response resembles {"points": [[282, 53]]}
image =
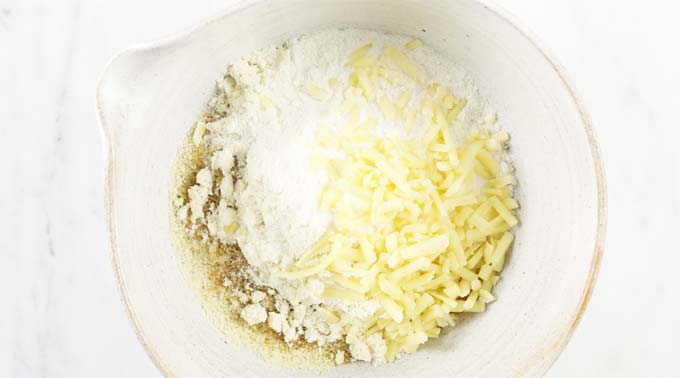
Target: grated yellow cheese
{"points": [[413, 230], [404, 64], [387, 107], [266, 102], [360, 52], [413, 44], [199, 131], [317, 92], [333, 82]]}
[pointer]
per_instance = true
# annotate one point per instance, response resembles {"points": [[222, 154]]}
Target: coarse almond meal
{"points": [[343, 197]]}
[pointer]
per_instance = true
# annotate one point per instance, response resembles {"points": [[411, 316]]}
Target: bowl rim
{"points": [[109, 161]]}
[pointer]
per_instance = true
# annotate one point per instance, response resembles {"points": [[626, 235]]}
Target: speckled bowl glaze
{"points": [[149, 96]]}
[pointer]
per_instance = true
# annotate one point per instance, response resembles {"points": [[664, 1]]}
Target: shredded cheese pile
{"points": [[421, 226]]}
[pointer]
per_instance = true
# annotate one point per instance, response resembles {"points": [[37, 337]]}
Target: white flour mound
{"points": [[270, 125]]}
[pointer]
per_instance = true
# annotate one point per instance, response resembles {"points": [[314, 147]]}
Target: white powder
{"points": [[340, 357], [277, 214], [198, 194], [254, 314], [257, 296]]}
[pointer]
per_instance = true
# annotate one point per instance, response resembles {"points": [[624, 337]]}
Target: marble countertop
{"points": [[61, 315]]}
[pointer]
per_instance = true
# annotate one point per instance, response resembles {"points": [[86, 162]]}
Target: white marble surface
{"points": [[60, 314]]}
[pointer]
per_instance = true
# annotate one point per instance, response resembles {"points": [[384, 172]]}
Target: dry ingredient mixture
{"points": [[354, 190]]}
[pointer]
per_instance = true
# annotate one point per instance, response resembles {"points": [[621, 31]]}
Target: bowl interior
{"points": [[149, 97]]}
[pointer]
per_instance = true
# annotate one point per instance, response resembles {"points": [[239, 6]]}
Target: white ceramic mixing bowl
{"points": [[149, 96]]}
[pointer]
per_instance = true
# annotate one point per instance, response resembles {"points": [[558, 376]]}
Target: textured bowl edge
{"points": [[556, 349], [109, 163]]}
